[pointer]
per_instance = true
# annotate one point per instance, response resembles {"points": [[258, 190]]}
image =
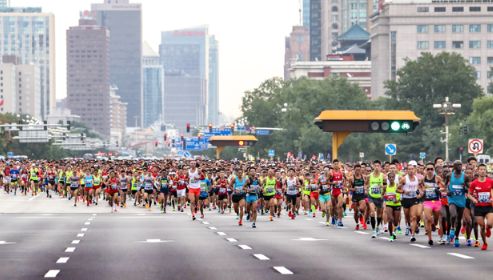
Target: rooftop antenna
{"points": [[300, 2]]}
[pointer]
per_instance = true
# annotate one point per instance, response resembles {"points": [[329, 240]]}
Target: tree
{"points": [[423, 82]]}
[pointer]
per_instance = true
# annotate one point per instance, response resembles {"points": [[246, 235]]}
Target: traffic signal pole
{"points": [[337, 140]]}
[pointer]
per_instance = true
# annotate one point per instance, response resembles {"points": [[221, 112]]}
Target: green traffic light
{"points": [[395, 126], [406, 126]]}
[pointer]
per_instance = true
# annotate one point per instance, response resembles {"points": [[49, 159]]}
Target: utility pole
{"points": [[446, 109]]}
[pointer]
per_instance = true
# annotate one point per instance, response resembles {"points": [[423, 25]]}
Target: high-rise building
{"points": [[4, 3], [406, 29], [297, 48], [118, 117], [306, 13], [353, 12], [124, 21], [19, 87], [315, 30], [88, 84], [29, 34], [213, 102], [153, 93], [185, 57]]}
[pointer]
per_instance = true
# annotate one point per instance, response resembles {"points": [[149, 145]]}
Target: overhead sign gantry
{"points": [[231, 141], [342, 122]]}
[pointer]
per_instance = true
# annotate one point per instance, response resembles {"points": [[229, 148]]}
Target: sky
{"points": [[250, 33]]}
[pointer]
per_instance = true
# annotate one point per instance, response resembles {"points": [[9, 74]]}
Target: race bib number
{"points": [[458, 189], [313, 187], [114, 187], [359, 190], [222, 190], [391, 197], [338, 184], [375, 189], [270, 190], [484, 197]]}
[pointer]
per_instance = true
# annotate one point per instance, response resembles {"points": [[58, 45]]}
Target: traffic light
{"points": [[188, 127], [241, 143], [392, 126], [210, 128], [82, 137]]}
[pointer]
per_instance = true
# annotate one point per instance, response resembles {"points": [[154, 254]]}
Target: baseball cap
{"points": [[413, 163]]}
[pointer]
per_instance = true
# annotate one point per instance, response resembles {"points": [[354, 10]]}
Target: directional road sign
{"points": [[390, 149], [422, 155], [272, 153], [475, 146]]}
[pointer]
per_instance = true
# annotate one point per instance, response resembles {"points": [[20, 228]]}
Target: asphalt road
{"points": [[141, 244]]}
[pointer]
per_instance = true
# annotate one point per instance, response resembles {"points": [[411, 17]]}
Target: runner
{"points": [[253, 188], [392, 197], [194, 188], [374, 186], [337, 182], [269, 193], [480, 193], [357, 187], [324, 195], [457, 189], [432, 204], [238, 186], [410, 199]]}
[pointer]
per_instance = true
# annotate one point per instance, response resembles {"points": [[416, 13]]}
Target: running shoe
{"points": [[254, 226], [374, 235], [441, 241], [340, 225], [456, 243], [469, 242], [365, 227], [333, 221], [413, 239], [357, 227], [271, 218], [385, 228], [430, 242], [327, 224], [398, 230], [248, 217], [240, 223], [463, 230], [293, 216], [323, 214], [488, 232], [313, 215], [202, 216], [391, 239], [193, 218], [476, 244], [452, 234], [484, 247]]}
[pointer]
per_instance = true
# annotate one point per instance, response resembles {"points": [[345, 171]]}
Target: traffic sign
{"points": [[390, 149], [272, 153], [361, 155], [422, 155], [262, 132], [475, 146]]}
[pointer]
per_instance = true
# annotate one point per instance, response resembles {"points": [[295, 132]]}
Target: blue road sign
{"points": [[272, 153], [262, 132], [422, 155], [390, 149]]}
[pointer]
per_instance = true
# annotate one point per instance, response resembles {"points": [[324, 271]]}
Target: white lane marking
{"points": [[245, 247], [141, 214], [70, 250], [309, 219], [323, 223], [466, 257], [221, 233], [156, 241], [231, 240], [33, 198], [420, 246], [6, 243], [283, 270], [62, 260], [361, 232], [80, 235], [205, 223], [213, 228], [385, 238], [75, 241], [52, 273], [309, 239], [83, 229], [87, 223], [261, 257], [94, 214]]}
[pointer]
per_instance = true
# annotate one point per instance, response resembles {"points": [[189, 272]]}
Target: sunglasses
{"points": [[430, 169]]}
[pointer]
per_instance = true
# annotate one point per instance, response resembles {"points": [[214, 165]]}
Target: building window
{"points": [[457, 44], [474, 44], [457, 28], [422, 45], [490, 9], [475, 9], [439, 28], [478, 75], [423, 9], [475, 60], [489, 44], [490, 27], [457, 9], [489, 59], [422, 28], [440, 9], [475, 28], [439, 45]]}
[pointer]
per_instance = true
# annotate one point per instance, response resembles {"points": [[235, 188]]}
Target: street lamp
{"points": [[446, 109]]}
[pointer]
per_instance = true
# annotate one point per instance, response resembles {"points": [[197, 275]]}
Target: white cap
{"points": [[413, 163]]}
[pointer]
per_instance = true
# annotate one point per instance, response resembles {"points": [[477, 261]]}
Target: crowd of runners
{"points": [[446, 198]]}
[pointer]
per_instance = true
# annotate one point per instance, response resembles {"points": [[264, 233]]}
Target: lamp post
{"points": [[446, 109]]}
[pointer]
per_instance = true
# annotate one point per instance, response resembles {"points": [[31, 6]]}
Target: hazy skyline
{"points": [[250, 34]]}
